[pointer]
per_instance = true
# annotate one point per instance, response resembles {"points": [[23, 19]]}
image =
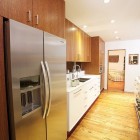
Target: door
{"points": [[116, 70], [55, 57], [24, 48]]}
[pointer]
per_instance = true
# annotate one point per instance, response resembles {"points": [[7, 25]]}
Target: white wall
{"points": [[119, 65], [131, 71]]}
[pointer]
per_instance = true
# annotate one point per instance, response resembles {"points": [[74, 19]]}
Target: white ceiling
{"points": [[97, 16]]}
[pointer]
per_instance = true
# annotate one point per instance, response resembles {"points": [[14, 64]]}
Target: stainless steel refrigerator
{"points": [[36, 83]]}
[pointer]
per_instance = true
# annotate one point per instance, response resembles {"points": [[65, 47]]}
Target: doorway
{"points": [[116, 70]]}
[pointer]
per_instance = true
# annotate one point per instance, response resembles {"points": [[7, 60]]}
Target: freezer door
{"points": [[55, 58], [24, 53]]}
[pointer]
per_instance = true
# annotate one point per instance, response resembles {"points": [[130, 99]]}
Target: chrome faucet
{"points": [[75, 78], [74, 67]]}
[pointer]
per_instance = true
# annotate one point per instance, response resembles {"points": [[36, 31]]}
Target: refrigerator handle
{"points": [[49, 81], [45, 81]]}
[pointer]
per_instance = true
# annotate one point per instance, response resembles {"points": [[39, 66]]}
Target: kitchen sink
{"points": [[83, 79]]}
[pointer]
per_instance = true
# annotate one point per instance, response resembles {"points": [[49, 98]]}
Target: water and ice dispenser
{"points": [[30, 94]]}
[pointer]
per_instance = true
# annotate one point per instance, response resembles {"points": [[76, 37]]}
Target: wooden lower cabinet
{"points": [[3, 106]]}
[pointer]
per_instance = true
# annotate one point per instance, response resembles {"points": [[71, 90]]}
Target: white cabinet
{"points": [[75, 105], [80, 99]]}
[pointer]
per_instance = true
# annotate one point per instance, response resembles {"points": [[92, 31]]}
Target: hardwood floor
{"points": [[115, 86], [112, 117]]}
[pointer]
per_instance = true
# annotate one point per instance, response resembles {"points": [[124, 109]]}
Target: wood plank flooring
{"points": [[115, 86], [112, 117]]}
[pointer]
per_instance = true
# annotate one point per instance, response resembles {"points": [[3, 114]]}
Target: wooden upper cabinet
{"points": [[79, 46], [69, 35], [101, 52], [87, 48], [96, 66], [47, 15], [39, 7], [4, 8], [21, 10], [55, 17], [97, 56], [78, 43]]}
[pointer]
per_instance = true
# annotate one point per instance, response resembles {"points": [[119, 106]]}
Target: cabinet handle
{"points": [[29, 16], [77, 91], [37, 19]]}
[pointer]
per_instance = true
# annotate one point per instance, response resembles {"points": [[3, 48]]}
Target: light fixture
{"points": [[112, 21], [106, 1], [85, 26], [73, 29], [115, 32], [117, 37]]}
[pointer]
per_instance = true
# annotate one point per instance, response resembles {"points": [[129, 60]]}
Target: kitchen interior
{"points": [[54, 58]]}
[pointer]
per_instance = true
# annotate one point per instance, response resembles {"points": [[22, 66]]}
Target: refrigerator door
{"points": [[55, 58], [24, 53]]}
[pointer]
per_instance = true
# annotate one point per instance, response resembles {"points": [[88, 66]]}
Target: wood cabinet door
{"points": [[39, 8], [21, 10], [101, 52], [4, 8], [78, 43], [55, 17], [79, 47], [69, 35], [87, 48]]}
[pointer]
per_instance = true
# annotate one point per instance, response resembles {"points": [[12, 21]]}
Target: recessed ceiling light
{"points": [[112, 21], [73, 29], [117, 37], [106, 1], [85, 26], [115, 32]]}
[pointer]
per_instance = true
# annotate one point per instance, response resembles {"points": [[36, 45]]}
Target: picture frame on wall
{"points": [[133, 59]]}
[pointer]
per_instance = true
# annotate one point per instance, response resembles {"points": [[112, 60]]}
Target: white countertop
{"points": [[138, 79], [70, 88]]}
